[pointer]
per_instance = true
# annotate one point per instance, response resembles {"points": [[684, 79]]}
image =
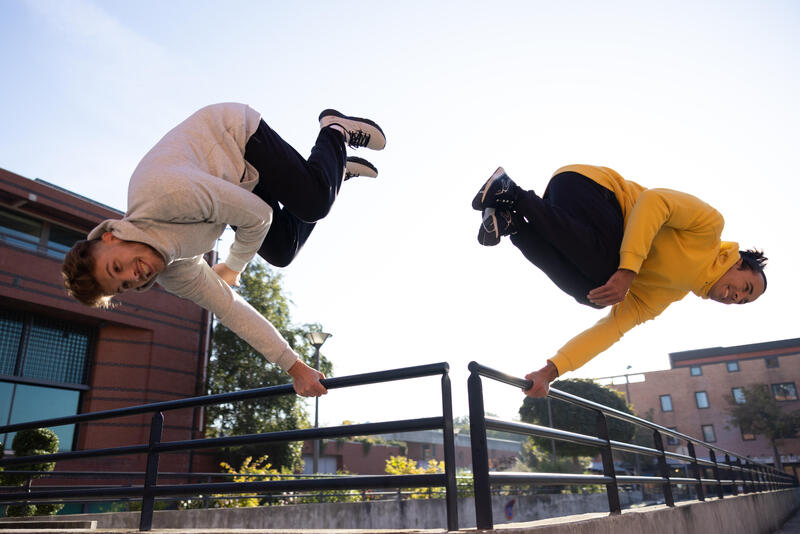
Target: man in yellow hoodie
{"points": [[607, 241]]}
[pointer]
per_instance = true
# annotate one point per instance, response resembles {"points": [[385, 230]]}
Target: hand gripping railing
{"points": [[750, 475], [151, 489]]}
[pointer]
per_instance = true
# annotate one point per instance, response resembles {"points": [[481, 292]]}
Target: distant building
{"points": [[59, 358], [691, 397], [361, 458]]}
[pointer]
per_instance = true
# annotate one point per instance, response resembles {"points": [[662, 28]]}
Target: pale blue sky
{"points": [[695, 96]]}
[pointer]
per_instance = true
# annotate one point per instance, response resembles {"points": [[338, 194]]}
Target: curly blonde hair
{"points": [[79, 280]]}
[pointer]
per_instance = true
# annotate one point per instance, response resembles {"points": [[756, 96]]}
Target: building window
{"points": [[738, 395], [695, 370], [701, 398], [784, 392], [747, 436], [733, 367], [666, 403], [672, 440], [708, 434], [42, 370], [23, 231], [772, 362]]}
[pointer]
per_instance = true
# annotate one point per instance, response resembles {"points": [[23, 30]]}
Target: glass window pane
{"points": [[6, 389], [10, 333], [772, 362], [32, 403], [701, 398], [708, 433], [738, 395], [666, 403], [733, 367], [696, 370], [61, 240], [785, 391], [19, 230], [56, 352]]}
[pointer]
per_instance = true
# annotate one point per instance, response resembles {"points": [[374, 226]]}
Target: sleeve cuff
{"points": [[287, 359], [235, 263], [630, 261], [561, 362]]}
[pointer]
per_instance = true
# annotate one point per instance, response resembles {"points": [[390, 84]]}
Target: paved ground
{"points": [[792, 526]]}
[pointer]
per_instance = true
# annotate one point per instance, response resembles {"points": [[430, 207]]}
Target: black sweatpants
{"points": [[300, 191], [572, 233]]}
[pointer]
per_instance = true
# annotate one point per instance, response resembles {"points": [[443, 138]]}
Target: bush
{"points": [[32, 442]]}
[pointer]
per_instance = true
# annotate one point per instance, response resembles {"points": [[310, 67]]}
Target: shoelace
{"points": [[358, 139]]}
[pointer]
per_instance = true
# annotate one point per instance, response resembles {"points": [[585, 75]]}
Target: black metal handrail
{"points": [[739, 471], [151, 489]]}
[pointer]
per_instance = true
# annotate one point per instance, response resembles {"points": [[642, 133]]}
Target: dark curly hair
{"points": [[79, 279], [754, 260]]}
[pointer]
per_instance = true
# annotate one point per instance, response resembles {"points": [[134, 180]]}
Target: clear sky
{"points": [[696, 96]]}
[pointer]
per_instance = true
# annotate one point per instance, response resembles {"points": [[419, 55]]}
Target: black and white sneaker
{"points": [[359, 167], [498, 191], [495, 224], [358, 132]]}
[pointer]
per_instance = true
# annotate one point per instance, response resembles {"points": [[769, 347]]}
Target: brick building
{"points": [[692, 396], [59, 358]]}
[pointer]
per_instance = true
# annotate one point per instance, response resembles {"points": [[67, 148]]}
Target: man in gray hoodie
{"points": [[223, 166]]}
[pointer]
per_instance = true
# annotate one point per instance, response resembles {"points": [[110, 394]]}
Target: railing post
{"points": [[720, 491], [449, 442], [731, 475], [480, 453], [697, 474], [662, 467], [612, 490], [151, 474], [749, 474]]}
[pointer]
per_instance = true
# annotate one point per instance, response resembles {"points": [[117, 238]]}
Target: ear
{"points": [[109, 238]]}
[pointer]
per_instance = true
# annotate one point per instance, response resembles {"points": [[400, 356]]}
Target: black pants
{"points": [[572, 233], [300, 191]]}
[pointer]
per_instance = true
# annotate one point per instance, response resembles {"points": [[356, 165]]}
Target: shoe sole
{"points": [[334, 113], [488, 235], [362, 163], [480, 198]]}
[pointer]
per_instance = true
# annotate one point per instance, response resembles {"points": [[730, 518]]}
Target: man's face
{"points": [[124, 265], [738, 286]]}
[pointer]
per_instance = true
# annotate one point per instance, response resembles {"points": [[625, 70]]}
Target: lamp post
{"points": [[317, 339]]}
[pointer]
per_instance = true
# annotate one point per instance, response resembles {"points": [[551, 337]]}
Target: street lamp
{"points": [[317, 339]]}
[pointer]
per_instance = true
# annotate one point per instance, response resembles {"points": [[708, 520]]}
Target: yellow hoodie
{"points": [[671, 240]]}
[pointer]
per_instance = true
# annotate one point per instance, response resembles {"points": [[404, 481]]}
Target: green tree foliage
{"points": [[31, 442], [567, 416], [236, 366], [761, 414]]}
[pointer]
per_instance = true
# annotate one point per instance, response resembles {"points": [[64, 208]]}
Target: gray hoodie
{"points": [[191, 185]]}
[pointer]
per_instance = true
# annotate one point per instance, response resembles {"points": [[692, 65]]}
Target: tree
{"points": [[567, 416], [760, 414], [32, 442], [236, 366]]}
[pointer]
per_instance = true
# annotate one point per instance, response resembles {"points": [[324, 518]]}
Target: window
{"points": [[24, 231], [695, 370], [733, 367], [747, 436], [42, 370], [738, 395], [701, 398], [772, 362], [784, 392], [666, 403], [672, 440], [708, 433]]}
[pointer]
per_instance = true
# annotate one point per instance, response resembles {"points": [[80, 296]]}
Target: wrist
{"points": [[296, 368], [550, 370]]}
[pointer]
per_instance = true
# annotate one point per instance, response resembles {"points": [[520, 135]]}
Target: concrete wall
{"points": [[410, 514], [760, 513]]}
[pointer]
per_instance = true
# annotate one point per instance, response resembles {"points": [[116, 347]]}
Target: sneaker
{"points": [[498, 191], [358, 132], [495, 224], [359, 167]]}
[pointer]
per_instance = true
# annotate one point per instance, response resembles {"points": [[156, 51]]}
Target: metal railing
{"points": [[155, 447], [733, 472]]}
